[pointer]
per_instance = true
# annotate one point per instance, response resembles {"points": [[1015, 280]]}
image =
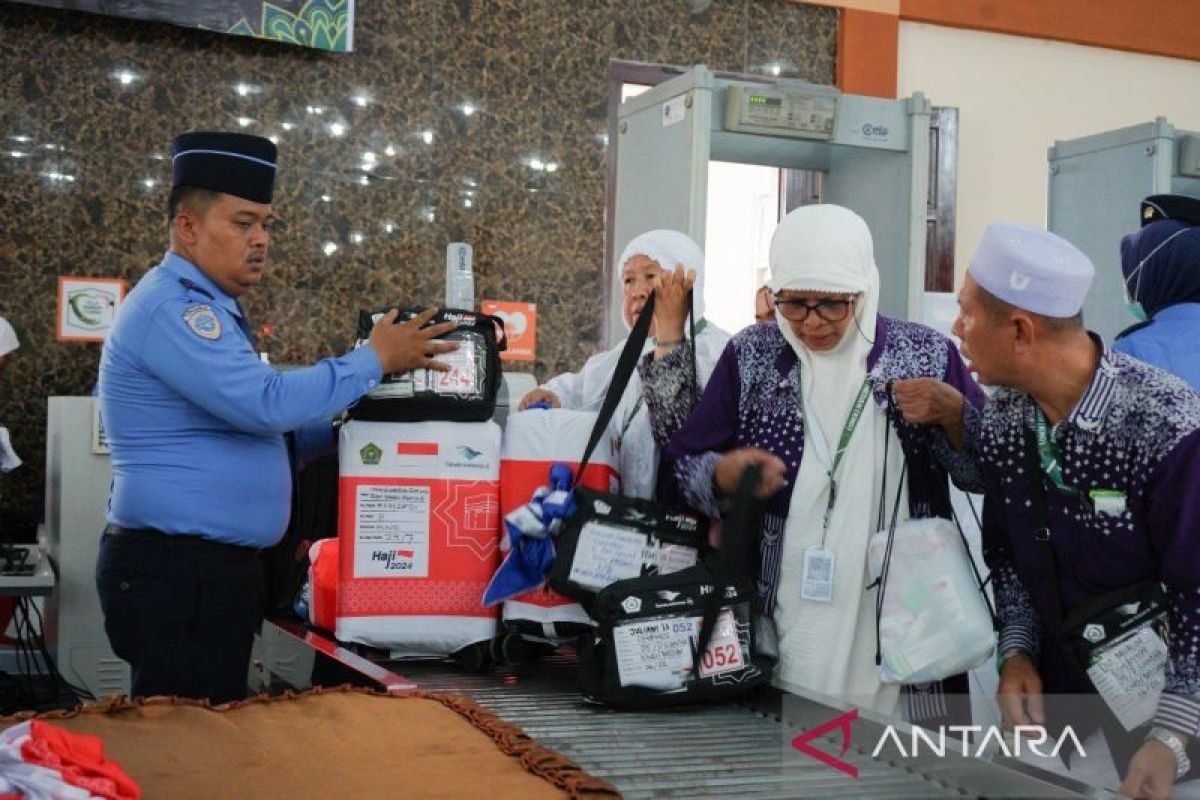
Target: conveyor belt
{"points": [[727, 751]]}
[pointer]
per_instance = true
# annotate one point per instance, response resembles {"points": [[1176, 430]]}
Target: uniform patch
{"points": [[203, 322]]}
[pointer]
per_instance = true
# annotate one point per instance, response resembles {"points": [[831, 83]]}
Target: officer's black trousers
{"points": [[182, 612]]}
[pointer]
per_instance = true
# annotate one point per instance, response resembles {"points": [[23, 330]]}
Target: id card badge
{"points": [[1108, 502], [816, 582]]}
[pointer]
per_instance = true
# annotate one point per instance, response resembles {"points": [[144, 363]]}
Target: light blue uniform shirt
{"points": [[196, 420], [1171, 342]]}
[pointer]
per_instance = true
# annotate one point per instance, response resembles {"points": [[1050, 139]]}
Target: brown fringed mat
{"points": [[324, 743]]}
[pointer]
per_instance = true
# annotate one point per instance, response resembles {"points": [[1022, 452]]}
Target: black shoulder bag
{"points": [[465, 394], [1098, 631], [611, 537], [686, 637]]}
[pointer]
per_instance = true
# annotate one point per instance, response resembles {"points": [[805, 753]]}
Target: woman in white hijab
{"points": [[806, 399], [669, 264]]}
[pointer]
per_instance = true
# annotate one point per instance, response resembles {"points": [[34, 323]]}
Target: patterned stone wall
{"points": [[88, 106]]}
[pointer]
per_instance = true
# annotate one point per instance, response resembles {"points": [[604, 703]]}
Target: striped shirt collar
{"points": [[1088, 414]]}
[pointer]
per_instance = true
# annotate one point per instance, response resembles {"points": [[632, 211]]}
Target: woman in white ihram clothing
{"points": [[668, 264]]}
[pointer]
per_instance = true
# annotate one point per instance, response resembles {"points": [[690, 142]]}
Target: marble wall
{"points": [[423, 136]]}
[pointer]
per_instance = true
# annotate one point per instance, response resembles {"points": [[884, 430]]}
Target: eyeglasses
{"points": [[827, 309]]}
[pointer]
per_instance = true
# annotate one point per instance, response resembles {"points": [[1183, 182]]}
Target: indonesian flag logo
{"points": [[417, 448]]}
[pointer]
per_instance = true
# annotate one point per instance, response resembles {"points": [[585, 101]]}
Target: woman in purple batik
{"points": [[806, 399]]}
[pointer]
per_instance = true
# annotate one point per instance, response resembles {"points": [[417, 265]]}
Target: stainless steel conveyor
{"points": [[728, 751]]}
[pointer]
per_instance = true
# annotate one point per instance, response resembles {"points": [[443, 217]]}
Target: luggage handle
{"points": [[501, 331], [729, 566], [501, 334]]}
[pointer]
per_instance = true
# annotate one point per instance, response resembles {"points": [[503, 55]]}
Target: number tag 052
{"points": [[724, 652]]}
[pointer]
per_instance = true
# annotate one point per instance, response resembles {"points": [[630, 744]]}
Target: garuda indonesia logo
{"points": [[469, 453], [370, 454]]}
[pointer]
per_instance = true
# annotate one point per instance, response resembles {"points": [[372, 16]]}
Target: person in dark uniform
{"points": [[1160, 264], [201, 471]]}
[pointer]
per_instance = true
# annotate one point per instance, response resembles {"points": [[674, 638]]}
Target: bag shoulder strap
{"points": [[1041, 530], [631, 353], [626, 363], [730, 567]]}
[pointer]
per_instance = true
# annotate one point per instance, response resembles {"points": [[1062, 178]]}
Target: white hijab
{"points": [[830, 647], [630, 429], [668, 248]]}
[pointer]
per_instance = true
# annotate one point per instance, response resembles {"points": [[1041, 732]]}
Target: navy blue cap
{"points": [[234, 163], [1171, 206]]}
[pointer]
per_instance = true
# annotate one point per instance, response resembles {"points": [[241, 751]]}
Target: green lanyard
{"points": [[860, 403], [1050, 457], [629, 421]]}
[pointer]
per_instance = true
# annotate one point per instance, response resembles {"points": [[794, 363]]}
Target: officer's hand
{"points": [[539, 396], [1020, 692], [731, 465], [1151, 772], [927, 401], [407, 345]]}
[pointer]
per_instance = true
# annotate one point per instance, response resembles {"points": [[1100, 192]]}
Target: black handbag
{"points": [[1101, 623], [685, 637], [611, 537], [465, 394]]}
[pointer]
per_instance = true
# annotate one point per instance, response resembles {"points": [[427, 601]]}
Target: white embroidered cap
{"points": [[1032, 269]]}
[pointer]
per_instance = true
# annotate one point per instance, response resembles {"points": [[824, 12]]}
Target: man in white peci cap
{"points": [[1089, 461]]}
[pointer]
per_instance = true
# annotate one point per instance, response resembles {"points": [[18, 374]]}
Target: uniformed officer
{"points": [[201, 473]]}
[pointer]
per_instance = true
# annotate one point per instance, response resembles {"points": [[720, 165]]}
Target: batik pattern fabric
{"points": [[1136, 431]]}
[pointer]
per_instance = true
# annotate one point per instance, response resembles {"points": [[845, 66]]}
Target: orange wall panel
{"points": [[867, 52], [1165, 28]]}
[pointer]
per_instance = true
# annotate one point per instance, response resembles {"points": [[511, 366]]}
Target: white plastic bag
{"points": [[934, 621]]}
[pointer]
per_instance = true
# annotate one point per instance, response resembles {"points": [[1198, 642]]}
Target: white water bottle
{"points": [[460, 279]]}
